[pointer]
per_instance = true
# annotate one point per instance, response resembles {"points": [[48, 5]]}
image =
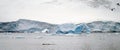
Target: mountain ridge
{"points": [[31, 26]]}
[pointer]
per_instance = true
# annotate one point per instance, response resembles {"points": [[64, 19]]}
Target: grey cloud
{"points": [[108, 4], [55, 2], [97, 3]]}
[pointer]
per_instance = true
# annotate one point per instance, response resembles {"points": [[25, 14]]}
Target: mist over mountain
{"points": [[30, 26]]}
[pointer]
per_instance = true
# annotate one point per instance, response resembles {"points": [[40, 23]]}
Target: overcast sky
{"points": [[60, 11]]}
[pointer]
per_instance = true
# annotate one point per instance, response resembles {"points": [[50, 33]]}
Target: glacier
{"points": [[76, 29], [31, 26]]}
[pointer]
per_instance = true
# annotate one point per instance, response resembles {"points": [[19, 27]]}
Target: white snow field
{"points": [[36, 41]]}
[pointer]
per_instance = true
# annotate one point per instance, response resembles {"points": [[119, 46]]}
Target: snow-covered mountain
{"points": [[30, 26], [107, 26]]}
